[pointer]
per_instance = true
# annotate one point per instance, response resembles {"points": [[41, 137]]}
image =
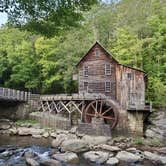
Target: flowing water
{"points": [[12, 149]]}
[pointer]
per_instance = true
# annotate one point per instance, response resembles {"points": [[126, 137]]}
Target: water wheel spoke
{"points": [[103, 110], [93, 107], [101, 105], [107, 111], [107, 117]]}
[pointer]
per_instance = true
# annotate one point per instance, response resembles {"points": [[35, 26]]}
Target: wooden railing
{"points": [[139, 105], [12, 94]]}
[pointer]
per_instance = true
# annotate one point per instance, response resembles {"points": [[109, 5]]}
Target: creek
{"points": [[12, 149]]}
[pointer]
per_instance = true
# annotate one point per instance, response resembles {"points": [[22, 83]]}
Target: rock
{"points": [[161, 150], [127, 156], [2, 149], [155, 157], [109, 148], [29, 154], [96, 156], [46, 135], [32, 162], [37, 136], [91, 140], [68, 157], [5, 126], [112, 161], [59, 139], [62, 131], [6, 154], [74, 145], [29, 131], [50, 162], [13, 131], [158, 127], [54, 135], [73, 130]]}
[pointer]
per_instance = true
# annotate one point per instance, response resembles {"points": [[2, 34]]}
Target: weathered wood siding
{"points": [[130, 91], [96, 73]]}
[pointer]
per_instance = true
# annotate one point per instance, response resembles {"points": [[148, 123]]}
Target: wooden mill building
{"points": [[101, 73]]}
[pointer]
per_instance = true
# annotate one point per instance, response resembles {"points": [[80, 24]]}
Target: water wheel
{"points": [[101, 109]]}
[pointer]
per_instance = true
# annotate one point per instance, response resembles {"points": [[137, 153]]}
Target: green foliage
{"points": [[155, 142], [138, 141], [132, 31], [46, 17], [29, 121]]}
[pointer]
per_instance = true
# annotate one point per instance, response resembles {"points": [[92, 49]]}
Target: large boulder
{"points": [[96, 156], [74, 145], [155, 157], [67, 157], [32, 162], [91, 140], [108, 148], [128, 157], [59, 139], [112, 161], [29, 131], [158, 127], [50, 162]]}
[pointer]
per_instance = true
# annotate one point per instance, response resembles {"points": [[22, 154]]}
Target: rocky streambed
{"points": [[27, 144]]}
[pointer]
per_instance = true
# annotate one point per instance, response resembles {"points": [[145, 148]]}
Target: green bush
{"points": [[138, 141], [155, 142]]}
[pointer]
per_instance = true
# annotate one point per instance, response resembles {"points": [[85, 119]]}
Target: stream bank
{"points": [[64, 147]]}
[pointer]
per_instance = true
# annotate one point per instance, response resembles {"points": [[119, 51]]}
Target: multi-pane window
{"points": [[107, 86], [85, 86], [97, 52], [85, 71], [130, 76], [107, 69]]}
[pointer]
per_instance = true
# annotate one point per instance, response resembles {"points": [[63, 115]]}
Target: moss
{"points": [[138, 141], [19, 122]]}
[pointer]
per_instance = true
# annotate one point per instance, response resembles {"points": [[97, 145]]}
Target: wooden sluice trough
{"points": [[85, 107]]}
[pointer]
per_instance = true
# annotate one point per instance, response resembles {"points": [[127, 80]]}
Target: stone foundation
{"points": [[51, 120], [96, 128]]}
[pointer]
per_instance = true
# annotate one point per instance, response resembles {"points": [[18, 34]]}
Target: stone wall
{"points": [[130, 124], [53, 121], [96, 128], [18, 110]]}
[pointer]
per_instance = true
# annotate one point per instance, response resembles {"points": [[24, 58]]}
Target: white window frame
{"points": [[108, 89], [107, 69], [86, 71]]}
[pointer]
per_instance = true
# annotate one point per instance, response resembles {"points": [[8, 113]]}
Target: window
{"points": [[107, 69], [107, 86], [85, 71], [97, 52], [130, 76], [85, 86]]}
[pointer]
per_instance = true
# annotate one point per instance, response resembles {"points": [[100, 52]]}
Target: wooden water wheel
{"points": [[101, 109]]}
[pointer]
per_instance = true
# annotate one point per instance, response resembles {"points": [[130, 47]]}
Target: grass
{"points": [[19, 122], [155, 142], [138, 141]]}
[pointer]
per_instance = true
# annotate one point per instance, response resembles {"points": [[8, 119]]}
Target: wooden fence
{"points": [[12, 94]]}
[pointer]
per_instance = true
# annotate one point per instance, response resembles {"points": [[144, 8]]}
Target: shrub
{"points": [[138, 141]]}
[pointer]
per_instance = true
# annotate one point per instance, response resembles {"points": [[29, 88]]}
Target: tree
{"points": [[45, 17]]}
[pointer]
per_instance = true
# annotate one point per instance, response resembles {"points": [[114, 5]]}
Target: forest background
{"points": [[133, 31]]}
